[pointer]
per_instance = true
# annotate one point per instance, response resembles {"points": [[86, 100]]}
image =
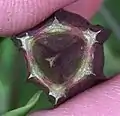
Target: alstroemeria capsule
{"points": [[65, 54]]}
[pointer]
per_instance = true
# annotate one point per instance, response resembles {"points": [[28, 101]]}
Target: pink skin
{"points": [[102, 100], [19, 15]]}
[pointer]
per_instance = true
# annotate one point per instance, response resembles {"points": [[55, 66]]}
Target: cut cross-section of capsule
{"points": [[65, 54]]}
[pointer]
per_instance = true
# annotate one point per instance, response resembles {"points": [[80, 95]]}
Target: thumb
{"points": [[19, 15], [102, 100]]}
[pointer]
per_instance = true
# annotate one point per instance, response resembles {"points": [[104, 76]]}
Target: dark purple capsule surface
{"points": [[65, 54]]}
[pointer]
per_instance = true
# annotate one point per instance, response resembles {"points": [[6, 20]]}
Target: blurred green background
{"points": [[15, 92]]}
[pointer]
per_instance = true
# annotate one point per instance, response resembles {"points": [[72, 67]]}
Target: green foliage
{"points": [[23, 111], [7, 57]]}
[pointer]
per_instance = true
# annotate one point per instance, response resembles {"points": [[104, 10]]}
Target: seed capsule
{"points": [[65, 54]]}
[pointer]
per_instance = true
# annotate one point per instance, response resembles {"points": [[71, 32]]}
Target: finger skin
{"points": [[19, 15], [102, 100], [86, 8]]}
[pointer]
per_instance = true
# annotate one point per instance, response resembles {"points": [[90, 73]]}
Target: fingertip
{"points": [[102, 100], [86, 8], [19, 15]]}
